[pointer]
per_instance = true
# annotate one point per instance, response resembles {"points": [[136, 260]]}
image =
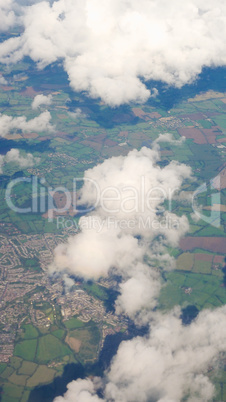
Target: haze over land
{"points": [[111, 129]]}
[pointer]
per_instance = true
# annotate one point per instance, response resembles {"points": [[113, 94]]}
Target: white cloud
{"points": [[81, 391], [15, 156], [165, 366], [107, 249], [167, 137], [1, 163], [127, 193], [76, 114], [139, 292], [195, 217], [111, 48], [133, 187], [3, 80], [7, 16], [171, 362], [41, 100], [40, 123]]}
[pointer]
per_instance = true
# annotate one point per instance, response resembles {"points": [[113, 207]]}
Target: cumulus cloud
{"points": [[167, 365], [128, 225], [80, 390], [3, 80], [110, 49], [7, 15], [15, 156], [171, 362], [76, 114], [11, 124], [139, 293], [108, 248], [134, 187], [41, 100], [168, 137]]}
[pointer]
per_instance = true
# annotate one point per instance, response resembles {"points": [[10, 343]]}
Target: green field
{"points": [[207, 290], [185, 262], [29, 332], [50, 348], [96, 290], [42, 375], [26, 349], [18, 379], [90, 339], [59, 333], [202, 267], [74, 323], [27, 368], [12, 393]]}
